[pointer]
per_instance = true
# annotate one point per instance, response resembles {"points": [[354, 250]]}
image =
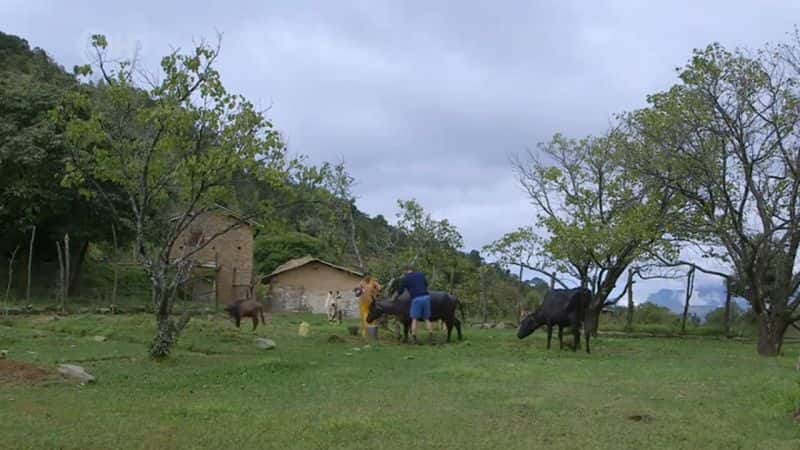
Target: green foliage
{"points": [[650, 313], [724, 140], [172, 148], [275, 249]]}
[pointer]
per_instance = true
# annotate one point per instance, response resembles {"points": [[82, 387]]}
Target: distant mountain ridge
{"points": [[704, 300]]}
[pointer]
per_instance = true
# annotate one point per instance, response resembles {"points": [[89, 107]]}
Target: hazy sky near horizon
{"points": [[423, 100]]}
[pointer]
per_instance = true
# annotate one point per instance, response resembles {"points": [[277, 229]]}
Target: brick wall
{"points": [[232, 252]]}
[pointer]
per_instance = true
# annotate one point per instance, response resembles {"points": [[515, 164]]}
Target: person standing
{"points": [[417, 286]]}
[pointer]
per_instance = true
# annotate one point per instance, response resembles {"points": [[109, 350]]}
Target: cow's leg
{"points": [[238, 319], [449, 326], [255, 320], [576, 333], [458, 329], [560, 338], [549, 335], [405, 331]]}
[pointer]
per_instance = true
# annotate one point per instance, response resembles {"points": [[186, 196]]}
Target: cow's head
{"points": [[529, 324], [375, 311]]}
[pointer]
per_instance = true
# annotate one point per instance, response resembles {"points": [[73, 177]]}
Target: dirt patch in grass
{"points": [[17, 372]]}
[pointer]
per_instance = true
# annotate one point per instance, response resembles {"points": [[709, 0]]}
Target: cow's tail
{"points": [[461, 310]]}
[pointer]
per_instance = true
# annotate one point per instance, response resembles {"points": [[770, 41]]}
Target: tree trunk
{"points": [[354, 241], [10, 277], [727, 318], [629, 316], [594, 321], [77, 268], [30, 262], [521, 296], [770, 335], [60, 276], [167, 329], [689, 289]]}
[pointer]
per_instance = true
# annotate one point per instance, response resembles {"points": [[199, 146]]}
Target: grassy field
{"points": [[491, 391]]}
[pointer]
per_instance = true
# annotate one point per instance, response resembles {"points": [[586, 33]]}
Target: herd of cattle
{"points": [[561, 308]]}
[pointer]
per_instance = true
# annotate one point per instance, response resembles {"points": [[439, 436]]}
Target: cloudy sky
{"points": [[422, 99]]}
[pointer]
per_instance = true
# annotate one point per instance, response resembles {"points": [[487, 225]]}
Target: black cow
{"points": [[443, 307], [561, 308]]}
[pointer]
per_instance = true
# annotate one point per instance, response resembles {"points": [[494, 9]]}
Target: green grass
{"points": [[491, 391]]}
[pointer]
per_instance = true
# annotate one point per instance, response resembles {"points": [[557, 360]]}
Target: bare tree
{"points": [[10, 276]]}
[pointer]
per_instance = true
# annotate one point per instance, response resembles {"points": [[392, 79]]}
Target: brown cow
{"points": [[246, 308]]}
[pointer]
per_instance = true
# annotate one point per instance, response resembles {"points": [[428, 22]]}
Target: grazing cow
{"points": [[561, 308], [246, 308], [443, 307]]}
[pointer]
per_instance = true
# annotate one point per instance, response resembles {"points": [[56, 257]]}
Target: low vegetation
{"points": [[491, 391]]}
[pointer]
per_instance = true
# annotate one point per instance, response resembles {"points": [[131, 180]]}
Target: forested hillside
{"points": [[301, 209]]}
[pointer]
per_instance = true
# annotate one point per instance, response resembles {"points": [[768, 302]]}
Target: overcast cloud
{"points": [[423, 99]]}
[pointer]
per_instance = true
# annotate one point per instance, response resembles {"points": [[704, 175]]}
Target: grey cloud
{"points": [[424, 100]]}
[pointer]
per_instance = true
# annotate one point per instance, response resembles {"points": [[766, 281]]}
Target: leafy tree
{"points": [[340, 185], [173, 147], [430, 242], [275, 249], [726, 140], [599, 219], [33, 157]]}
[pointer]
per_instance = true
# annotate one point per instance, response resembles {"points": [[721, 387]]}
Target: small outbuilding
{"points": [[302, 285]]}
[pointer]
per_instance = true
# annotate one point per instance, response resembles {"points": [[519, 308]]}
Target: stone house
{"points": [[223, 271], [302, 285]]}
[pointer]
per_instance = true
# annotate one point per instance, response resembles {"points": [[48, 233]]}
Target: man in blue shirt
{"points": [[417, 286]]}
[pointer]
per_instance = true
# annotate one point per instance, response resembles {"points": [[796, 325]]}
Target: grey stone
{"points": [[500, 326], [99, 338], [76, 372], [266, 344]]}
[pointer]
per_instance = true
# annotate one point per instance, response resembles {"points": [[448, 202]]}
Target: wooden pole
{"points": [[66, 264], [483, 294], [60, 276], [114, 265], [30, 261], [521, 295], [629, 318]]}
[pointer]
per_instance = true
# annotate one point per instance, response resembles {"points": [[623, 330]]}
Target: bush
{"points": [[650, 313], [273, 250]]}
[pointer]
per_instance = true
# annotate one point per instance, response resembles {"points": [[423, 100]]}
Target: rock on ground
{"points": [[266, 344], [76, 372]]}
